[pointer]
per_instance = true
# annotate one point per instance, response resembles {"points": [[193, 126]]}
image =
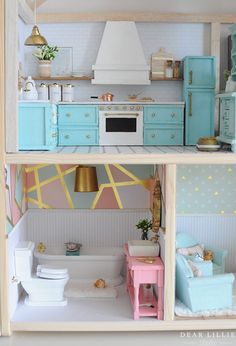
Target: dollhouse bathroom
{"points": [[67, 258]]}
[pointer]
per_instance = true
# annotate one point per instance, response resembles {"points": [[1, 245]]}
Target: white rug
{"points": [[75, 289], [183, 311]]}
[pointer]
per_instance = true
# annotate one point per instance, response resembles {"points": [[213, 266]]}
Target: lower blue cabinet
{"points": [[78, 125], [37, 123], [164, 124]]}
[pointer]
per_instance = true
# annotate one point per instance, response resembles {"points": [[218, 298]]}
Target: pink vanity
{"points": [[138, 274]]}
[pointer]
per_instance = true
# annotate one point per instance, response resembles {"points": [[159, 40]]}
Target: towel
{"points": [[75, 289]]}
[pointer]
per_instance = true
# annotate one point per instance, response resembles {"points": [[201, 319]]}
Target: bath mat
{"points": [[183, 311], [75, 289]]}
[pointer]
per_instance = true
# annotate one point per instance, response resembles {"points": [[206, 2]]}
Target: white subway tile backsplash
{"points": [[178, 39]]}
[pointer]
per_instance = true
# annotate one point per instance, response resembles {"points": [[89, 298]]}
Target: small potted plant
{"points": [[145, 225], [45, 55]]}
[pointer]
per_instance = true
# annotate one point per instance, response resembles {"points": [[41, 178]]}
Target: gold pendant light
{"points": [[35, 39], [86, 179]]}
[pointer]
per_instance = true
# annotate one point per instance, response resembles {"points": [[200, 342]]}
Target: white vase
{"points": [[44, 68]]}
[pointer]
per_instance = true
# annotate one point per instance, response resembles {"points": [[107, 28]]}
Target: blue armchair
{"points": [[206, 292], [186, 240]]}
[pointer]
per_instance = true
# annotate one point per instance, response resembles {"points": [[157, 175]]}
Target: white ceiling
{"points": [[181, 6]]}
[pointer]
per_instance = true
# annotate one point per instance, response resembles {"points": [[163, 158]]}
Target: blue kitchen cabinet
{"points": [[164, 124], [233, 51], [78, 125], [228, 119], [199, 97], [37, 123]]}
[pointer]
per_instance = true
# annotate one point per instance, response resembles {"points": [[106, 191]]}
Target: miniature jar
{"points": [[169, 69], [176, 71], [43, 92], [55, 93]]}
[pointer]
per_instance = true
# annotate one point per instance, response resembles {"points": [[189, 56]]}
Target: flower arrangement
{"points": [[46, 53], [145, 225]]}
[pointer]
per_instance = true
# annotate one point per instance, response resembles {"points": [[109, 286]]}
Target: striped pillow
{"points": [[188, 251]]}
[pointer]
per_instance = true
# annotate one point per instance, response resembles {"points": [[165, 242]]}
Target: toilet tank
{"points": [[24, 260]]}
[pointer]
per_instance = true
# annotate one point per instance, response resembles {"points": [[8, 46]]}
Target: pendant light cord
{"points": [[35, 4]]}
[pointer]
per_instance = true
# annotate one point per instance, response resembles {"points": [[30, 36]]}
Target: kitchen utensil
{"points": [[107, 97], [30, 91]]}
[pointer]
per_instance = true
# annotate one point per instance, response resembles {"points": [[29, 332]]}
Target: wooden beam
{"points": [[4, 295], [170, 193], [40, 2], [215, 51], [11, 68], [135, 16]]}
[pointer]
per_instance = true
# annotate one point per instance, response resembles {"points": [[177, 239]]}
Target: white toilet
{"points": [[44, 288]]}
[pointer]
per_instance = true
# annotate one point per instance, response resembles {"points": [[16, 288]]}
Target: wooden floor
{"points": [[124, 154]]}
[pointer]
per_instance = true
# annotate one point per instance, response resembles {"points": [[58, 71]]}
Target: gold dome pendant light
{"points": [[86, 179], [35, 39]]}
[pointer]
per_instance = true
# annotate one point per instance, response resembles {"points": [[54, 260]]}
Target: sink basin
{"points": [[143, 248]]}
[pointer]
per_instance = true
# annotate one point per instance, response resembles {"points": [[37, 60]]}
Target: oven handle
{"points": [[125, 114]]}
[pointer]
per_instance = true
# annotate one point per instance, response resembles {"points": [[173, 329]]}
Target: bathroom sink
{"points": [[143, 248]]}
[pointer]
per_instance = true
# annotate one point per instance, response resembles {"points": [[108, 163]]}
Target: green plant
{"points": [[46, 53], [145, 225], [226, 74]]}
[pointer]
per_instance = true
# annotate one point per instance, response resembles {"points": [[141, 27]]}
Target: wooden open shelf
{"points": [[62, 78], [166, 79], [89, 78]]}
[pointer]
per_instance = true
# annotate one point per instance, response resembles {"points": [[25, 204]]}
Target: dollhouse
{"points": [[188, 194]]}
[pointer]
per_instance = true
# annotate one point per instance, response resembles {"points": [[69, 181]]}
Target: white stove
{"points": [[121, 124]]}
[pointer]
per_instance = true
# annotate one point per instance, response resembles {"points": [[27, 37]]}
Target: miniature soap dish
{"points": [[143, 248]]}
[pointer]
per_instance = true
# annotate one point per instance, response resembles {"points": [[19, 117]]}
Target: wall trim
{"points": [[136, 17]]}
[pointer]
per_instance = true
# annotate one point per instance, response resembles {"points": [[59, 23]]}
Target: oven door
{"points": [[121, 128]]}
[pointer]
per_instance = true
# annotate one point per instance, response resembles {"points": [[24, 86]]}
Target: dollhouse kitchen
{"points": [[118, 206]]}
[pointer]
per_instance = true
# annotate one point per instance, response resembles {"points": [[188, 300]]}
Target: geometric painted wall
{"points": [[120, 187], [206, 189], [15, 194]]}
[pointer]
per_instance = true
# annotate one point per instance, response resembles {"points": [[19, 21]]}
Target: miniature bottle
{"points": [[169, 69], [176, 71]]}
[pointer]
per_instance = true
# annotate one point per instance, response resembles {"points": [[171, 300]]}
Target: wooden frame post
{"points": [[215, 51], [169, 296], [4, 321]]}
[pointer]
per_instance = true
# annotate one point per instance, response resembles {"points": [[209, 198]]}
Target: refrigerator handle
{"points": [[190, 112]]}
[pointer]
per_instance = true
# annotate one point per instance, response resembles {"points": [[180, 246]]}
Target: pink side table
{"points": [[139, 273]]}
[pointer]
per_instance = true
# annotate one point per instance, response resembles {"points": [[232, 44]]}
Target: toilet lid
{"points": [[47, 272]]}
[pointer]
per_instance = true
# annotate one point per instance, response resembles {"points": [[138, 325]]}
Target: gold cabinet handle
{"points": [[153, 136], [67, 137], [86, 115], [190, 112], [190, 77], [172, 115], [153, 115], [88, 136], [68, 115]]}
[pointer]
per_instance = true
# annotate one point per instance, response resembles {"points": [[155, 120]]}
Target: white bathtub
{"points": [[92, 264]]}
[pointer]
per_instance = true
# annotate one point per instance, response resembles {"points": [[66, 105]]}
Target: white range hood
{"points": [[120, 57]]}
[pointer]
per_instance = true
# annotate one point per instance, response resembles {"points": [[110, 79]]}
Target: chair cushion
{"points": [[193, 250], [184, 266]]}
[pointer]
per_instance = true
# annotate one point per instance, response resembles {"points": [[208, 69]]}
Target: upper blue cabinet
{"points": [[233, 51], [199, 72]]}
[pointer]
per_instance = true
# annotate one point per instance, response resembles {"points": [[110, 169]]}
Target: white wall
{"points": [[21, 40], [178, 39]]}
